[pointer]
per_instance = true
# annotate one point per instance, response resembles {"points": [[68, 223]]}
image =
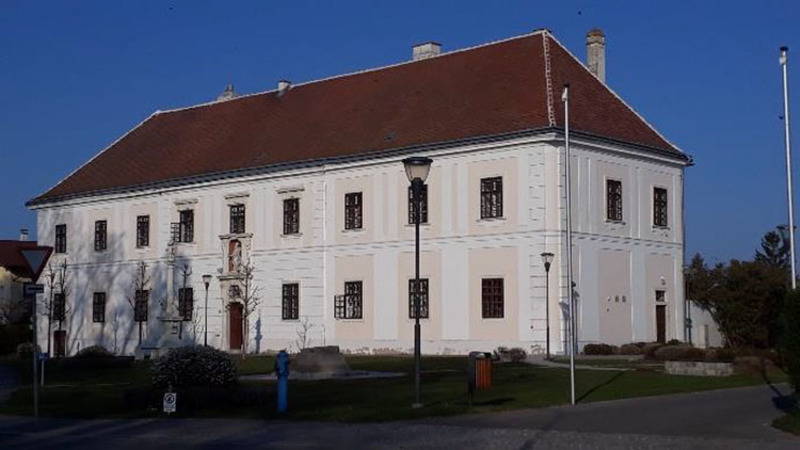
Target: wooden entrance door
{"points": [[235, 326], [59, 343], [661, 323]]}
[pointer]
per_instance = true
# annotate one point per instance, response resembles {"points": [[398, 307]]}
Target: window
{"points": [[100, 236], [353, 211], [291, 301], [614, 200], [185, 303], [423, 298], [492, 298], [491, 197], [99, 307], [234, 292], [140, 305], [423, 205], [142, 231], [661, 296], [59, 307], [660, 207], [61, 238], [186, 226], [291, 216], [237, 219], [349, 305]]}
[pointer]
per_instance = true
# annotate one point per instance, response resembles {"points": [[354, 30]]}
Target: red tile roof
{"points": [[12, 260], [483, 91]]}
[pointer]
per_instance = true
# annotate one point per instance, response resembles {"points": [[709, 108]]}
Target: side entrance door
{"points": [[59, 343], [235, 325], [661, 323]]}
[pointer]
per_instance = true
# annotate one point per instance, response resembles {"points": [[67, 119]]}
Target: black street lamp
{"points": [[417, 169], [547, 259], [206, 281]]}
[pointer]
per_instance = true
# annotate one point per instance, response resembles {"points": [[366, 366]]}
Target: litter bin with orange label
{"points": [[479, 372]]}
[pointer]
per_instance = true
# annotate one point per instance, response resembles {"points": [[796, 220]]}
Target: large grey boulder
{"points": [[319, 360]]}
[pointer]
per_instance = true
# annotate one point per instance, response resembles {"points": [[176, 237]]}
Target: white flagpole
{"points": [[784, 64], [572, 321]]}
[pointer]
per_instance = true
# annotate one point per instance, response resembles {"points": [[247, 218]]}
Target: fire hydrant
{"points": [[282, 373]]}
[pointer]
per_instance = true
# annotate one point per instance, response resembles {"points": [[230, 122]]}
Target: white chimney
{"points": [[227, 94], [426, 50], [283, 86], [23, 234], [596, 53]]}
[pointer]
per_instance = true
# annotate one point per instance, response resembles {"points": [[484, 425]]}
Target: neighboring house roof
{"points": [[496, 89], [11, 258]]}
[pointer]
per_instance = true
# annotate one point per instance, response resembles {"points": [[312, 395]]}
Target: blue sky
{"points": [[77, 75]]}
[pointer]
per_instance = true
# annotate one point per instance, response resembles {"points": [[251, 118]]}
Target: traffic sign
{"points": [[170, 399], [31, 289], [36, 258], [44, 356]]}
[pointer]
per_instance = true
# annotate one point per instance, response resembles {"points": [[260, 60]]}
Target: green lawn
{"points": [[789, 423], [124, 392]]}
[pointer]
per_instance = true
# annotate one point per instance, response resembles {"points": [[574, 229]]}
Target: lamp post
{"points": [[417, 169], [206, 281], [547, 259]]}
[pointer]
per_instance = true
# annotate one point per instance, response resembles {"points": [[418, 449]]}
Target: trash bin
{"points": [[479, 373]]}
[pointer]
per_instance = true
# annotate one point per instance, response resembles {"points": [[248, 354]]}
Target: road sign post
{"points": [[170, 401]]}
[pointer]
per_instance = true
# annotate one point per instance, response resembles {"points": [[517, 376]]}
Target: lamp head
{"points": [[547, 259], [207, 280], [417, 167]]}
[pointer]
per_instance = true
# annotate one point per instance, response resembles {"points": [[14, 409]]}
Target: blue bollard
{"points": [[282, 372]]}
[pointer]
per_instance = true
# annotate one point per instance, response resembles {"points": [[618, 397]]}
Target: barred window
{"points": [[99, 307], [614, 200], [140, 305], [237, 219], [423, 205], [59, 307], [186, 226], [100, 235], [660, 207], [142, 231], [61, 238], [234, 292], [492, 298], [291, 301], [423, 298], [350, 305], [491, 197], [291, 216], [186, 303], [353, 211]]}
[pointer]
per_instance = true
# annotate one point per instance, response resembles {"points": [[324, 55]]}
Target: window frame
{"points": [[491, 197], [59, 307], [140, 305], [352, 302], [614, 201], [143, 231], [60, 243], [186, 225], [98, 307], [424, 301], [290, 301], [236, 213], [100, 235], [354, 211], [492, 301], [186, 303], [660, 207], [291, 216], [423, 218]]}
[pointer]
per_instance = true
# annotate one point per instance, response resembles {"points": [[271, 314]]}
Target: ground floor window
{"points": [[350, 305], [185, 303], [99, 307], [492, 298], [291, 301]]}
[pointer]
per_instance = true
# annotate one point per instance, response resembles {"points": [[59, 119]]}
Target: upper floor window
{"points": [[661, 296], [185, 226], [100, 235], [237, 218], [492, 298], [290, 304], [142, 231], [61, 238], [185, 303], [614, 200], [59, 307], [491, 197], [140, 305], [99, 307], [423, 298], [350, 305], [423, 205], [660, 207], [291, 216], [353, 211]]}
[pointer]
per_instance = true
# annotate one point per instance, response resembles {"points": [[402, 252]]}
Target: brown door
{"points": [[59, 343], [235, 326], [661, 323]]}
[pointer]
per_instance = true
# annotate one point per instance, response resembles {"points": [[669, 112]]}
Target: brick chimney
{"points": [[596, 53]]}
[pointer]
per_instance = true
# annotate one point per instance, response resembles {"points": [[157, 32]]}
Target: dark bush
{"points": [[650, 349], [93, 351], [790, 337], [11, 335], [25, 350], [680, 352], [195, 366], [674, 342], [94, 362], [630, 349], [600, 349], [504, 354]]}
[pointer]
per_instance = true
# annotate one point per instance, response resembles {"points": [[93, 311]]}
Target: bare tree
{"points": [[303, 340], [250, 298], [141, 296], [55, 306]]}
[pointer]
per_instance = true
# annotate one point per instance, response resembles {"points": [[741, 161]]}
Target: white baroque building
{"points": [[304, 184]]}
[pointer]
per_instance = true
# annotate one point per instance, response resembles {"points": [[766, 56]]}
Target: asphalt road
{"points": [[728, 419]]}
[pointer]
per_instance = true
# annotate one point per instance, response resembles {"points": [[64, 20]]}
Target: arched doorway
{"points": [[235, 335]]}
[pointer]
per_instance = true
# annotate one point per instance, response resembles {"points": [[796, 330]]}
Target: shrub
{"points": [[790, 337], [93, 351], [25, 350], [680, 352], [650, 349], [196, 366], [600, 349], [630, 349], [11, 335], [504, 354], [674, 342]]}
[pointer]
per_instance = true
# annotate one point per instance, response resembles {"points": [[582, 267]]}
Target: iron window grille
{"points": [[614, 200], [99, 307], [61, 238], [350, 305], [660, 207], [291, 301], [423, 205], [141, 298], [185, 226], [142, 231], [59, 308], [423, 298], [661, 296], [100, 235], [492, 298], [237, 219], [291, 216], [353, 211], [491, 198], [186, 303]]}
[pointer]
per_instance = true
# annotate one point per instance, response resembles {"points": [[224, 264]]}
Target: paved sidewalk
{"points": [[539, 360]]}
